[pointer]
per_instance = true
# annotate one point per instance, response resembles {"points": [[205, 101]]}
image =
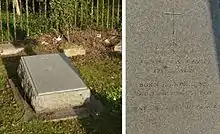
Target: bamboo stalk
{"points": [[107, 21], [118, 13], [92, 12], [45, 13], [39, 4], [7, 14], [33, 5], [103, 4], [27, 15], [97, 17], [68, 33], [14, 19], [40, 10], [113, 12], [21, 14], [86, 12], [17, 8], [45, 8], [76, 5], [81, 17], [1, 21]]}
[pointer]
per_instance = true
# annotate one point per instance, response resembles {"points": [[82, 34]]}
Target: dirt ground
{"points": [[98, 44]]}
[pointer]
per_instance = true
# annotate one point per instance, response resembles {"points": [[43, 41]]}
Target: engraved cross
{"points": [[173, 14]]}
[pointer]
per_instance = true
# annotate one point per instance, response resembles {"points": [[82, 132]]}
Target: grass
{"points": [[104, 79]]}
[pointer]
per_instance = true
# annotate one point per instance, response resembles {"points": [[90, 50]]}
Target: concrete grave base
{"points": [[94, 106], [48, 102]]}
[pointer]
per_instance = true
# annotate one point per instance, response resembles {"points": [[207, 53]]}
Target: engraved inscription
{"points": [[164, 92], [188, 105]]}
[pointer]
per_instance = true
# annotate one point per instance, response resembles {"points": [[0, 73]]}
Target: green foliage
{"points": [[36, 25], [115, 96], [63, 12], [63, 15], [82, 13], [104, 79]]}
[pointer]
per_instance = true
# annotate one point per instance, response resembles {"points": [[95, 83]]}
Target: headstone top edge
{"points": [[62, 91]]}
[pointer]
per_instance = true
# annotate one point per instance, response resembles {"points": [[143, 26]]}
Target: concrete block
{"points": [[51, 83]]}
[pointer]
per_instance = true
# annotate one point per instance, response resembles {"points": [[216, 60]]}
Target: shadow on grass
{"points": [[109, 121], [11, 65], [115, 55]]}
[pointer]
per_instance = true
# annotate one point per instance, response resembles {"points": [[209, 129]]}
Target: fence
{"points": [[20, 18]]}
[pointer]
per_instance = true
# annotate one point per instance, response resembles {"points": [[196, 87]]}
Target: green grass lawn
{"points": [[104, 79]]}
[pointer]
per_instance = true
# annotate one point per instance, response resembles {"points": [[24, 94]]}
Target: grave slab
{"points": [[118, 47], [172, 68], [9, 49], [51, 83], [74, 51]]}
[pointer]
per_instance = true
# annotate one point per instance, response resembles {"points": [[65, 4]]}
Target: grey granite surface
{"points": [[172, 79], [52, 73], [51, 83]]}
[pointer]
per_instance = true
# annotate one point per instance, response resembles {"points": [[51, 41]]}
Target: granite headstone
{"points": [[172, 68]]}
